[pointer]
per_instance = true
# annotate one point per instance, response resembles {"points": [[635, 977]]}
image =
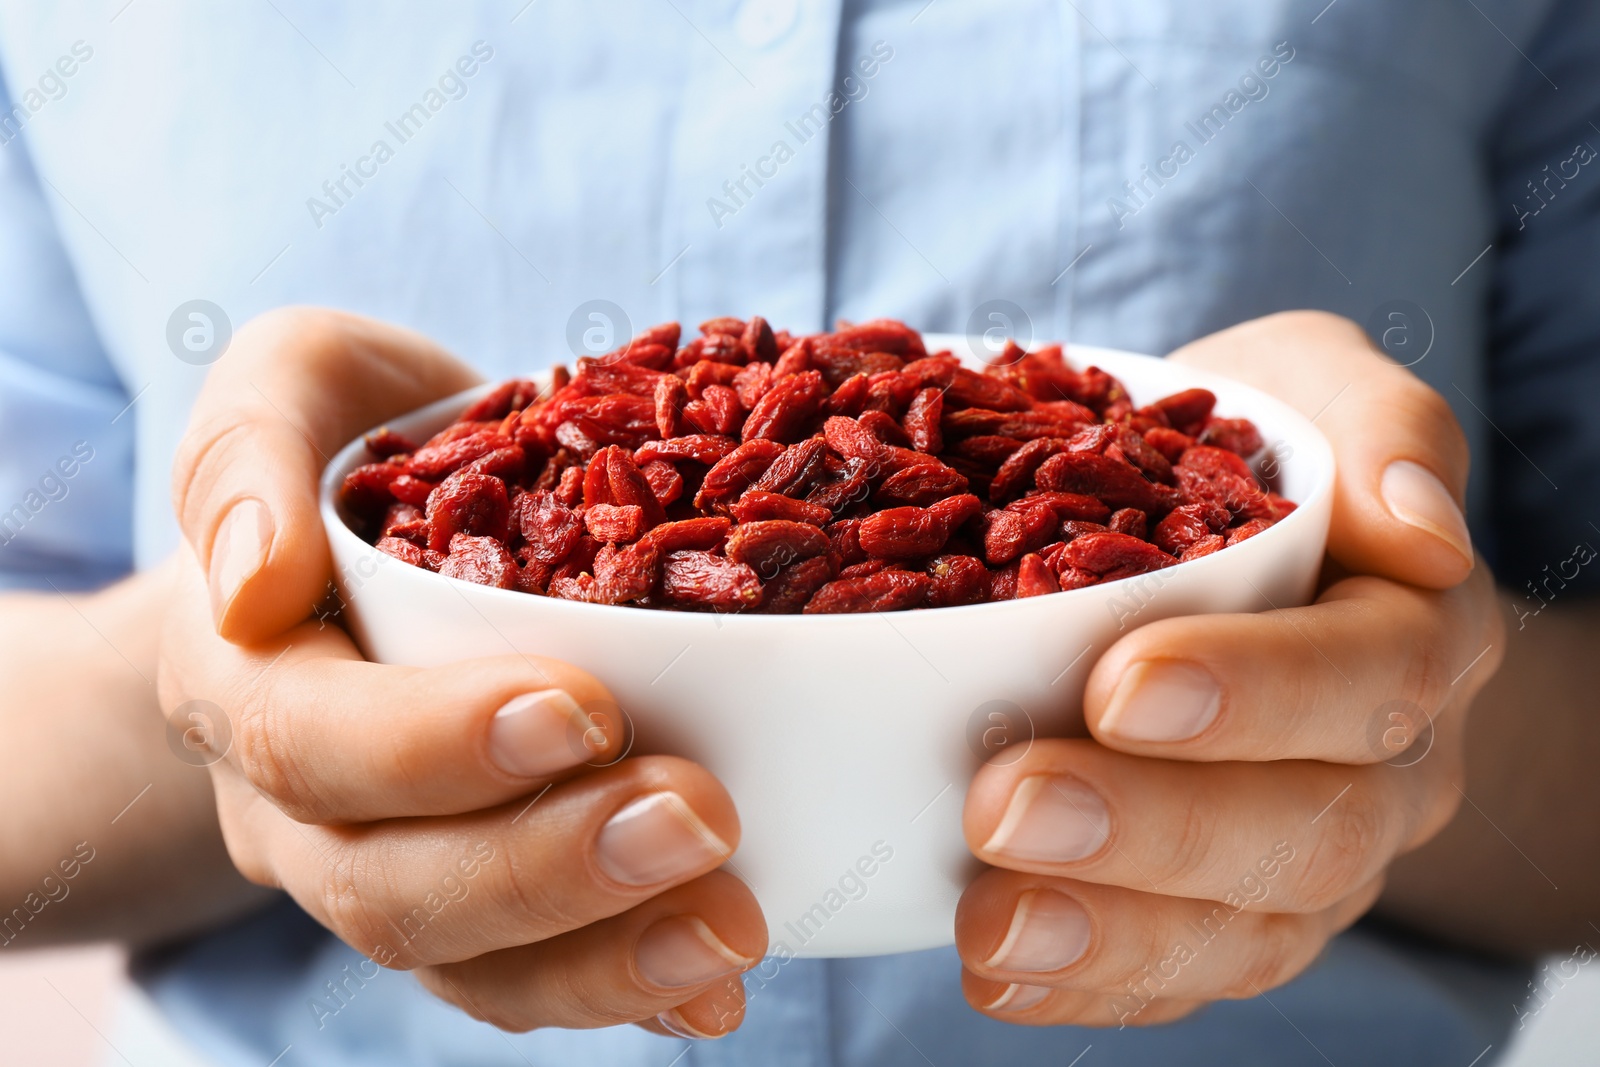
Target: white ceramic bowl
{"points": [[847, 741]]}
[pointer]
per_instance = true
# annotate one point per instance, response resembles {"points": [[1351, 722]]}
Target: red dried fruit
{"points": [[852, 440], [796, 470], [366, 489], [922, 484], [884, 428], [550, 528], [1246, 530], [702, 535], [886, 590], [614, 523], [626, 573], [957, 579], [735, 472], [1016, 474], [1116, 483], [756, 505], [1017, 529], [433, 461], [1113, 555], [569, 490], [752, 383], [850, 398], [1188, 524], [771, 544], [669, 397], [468, 504], [1170, 443], [758, 341], [794, 585], [483, 560], [1130, 521], [384, 442], [1035, 578], [409, 490], [700, 579], [860, 457], [1069, 506], [845, 537], [1236, 435], [789, 405], [1204, 547], [922, 420], [700, 447], [1186, 411], [909, 533], [404, 551]]}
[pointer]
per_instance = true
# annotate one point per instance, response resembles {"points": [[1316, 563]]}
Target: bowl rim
{"points": [[1080, 355]]}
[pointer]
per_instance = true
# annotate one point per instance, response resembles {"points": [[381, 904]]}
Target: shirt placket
{"points": [[745, 204]]}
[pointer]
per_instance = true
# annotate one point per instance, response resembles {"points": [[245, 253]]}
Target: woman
{"points": [[526, 183]]}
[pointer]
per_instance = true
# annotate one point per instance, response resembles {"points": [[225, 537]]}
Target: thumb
{"points": [[1401, 459], [294, 387]]}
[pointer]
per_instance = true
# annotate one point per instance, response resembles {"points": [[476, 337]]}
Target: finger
{"points": [[1024, 928], [1357, 678], [1401, 459], [329, 737], [428, 891], [1074, 809], [1036, 1005], [635, 966], [294, 386]]}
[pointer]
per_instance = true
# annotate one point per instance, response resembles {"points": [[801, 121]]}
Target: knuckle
{"points": [[1190, 855], [1343, 856], [348, 888], [1277, 954], [533, 898], [267, 754]]}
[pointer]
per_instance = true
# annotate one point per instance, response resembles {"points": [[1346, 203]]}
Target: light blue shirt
{"points": [[1133, 173]]}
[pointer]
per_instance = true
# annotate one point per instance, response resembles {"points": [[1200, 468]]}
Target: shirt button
{"points": [[762, 23]]}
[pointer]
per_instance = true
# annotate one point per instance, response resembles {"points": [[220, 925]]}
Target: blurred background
{"points": [[64, 1008]]}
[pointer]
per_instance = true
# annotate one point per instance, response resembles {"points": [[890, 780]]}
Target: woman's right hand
{"points": [[472, 822]]}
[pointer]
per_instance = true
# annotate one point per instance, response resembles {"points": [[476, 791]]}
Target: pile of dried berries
{"points": [[851, 471]]}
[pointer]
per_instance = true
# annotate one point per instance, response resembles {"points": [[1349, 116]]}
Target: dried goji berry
{"points": [[701, 579], [756, 505], [791, 403], [861, 461], [614, 522], [922, 420], [483, 560], [768, 545], [887, 590], [468, 504], [1034, 577]]}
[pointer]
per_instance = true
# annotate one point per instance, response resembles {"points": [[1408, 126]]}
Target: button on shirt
{"points": [[527, 181]]}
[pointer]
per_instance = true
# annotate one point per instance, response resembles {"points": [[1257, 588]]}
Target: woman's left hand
{"points": [[1250, 776]]}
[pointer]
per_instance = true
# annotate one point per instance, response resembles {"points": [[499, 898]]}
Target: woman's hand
{"points": [[470, 822], [1251, 776]]}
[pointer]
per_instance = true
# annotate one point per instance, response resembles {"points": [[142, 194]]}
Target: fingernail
{"points": [[1015, 998], [1049, 931], [657, 838], [1052, 820], [536, 734], [683, 951], [675, 1022], [1162, 700], [238, 551], [1416, 497]]}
